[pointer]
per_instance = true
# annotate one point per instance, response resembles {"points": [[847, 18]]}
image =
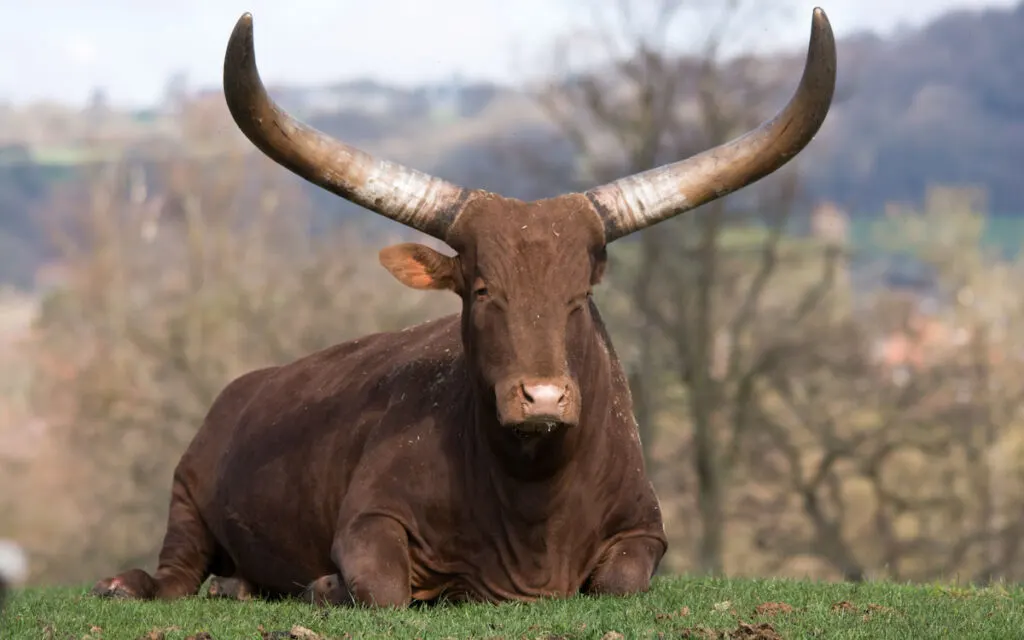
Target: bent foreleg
{"points": [[626, 567], [373, 556]]}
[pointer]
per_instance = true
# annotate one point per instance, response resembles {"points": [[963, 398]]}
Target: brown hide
{"points": [[388, 424], [404, 425]]}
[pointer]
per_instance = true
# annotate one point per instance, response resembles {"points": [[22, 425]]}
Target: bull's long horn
{"points": [[405, 195], [641, 200]]}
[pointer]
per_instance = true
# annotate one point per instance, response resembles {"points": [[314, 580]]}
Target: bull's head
{"points": [[524, 270]]}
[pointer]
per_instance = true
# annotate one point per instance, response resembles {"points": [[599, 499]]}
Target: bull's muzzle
{"points": [[539, 405]]}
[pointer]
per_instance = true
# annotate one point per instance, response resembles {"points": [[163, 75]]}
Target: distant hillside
{"points": [[942, 104]]}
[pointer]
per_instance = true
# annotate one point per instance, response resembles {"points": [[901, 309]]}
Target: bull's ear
{"points": [[420, 267]]}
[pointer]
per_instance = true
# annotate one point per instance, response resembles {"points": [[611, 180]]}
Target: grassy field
{"points": [[675, 608]]}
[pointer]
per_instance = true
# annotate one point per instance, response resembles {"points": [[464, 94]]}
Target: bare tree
{"points": [[898, 429], [697, 284]]}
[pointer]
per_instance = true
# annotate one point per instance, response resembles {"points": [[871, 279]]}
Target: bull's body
{"points": [[388, 426]]}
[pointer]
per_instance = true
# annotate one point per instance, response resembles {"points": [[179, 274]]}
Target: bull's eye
{"points": [[577, 304], [480, 289]]}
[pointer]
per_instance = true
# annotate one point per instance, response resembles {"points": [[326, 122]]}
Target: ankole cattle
{"points": [[488, 455]]}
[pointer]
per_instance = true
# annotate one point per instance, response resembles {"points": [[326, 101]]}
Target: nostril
{"points": [[526, 394], [546, 396]]}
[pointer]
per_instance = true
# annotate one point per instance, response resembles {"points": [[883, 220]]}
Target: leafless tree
{"points": [[696, 285], [889, 441]]}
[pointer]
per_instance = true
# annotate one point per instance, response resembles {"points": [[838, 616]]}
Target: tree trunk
{"points": [[710, 492], [704, 400], [642, 379]]}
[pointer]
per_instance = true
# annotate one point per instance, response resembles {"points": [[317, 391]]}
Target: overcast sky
{"points": [[62, 49]]}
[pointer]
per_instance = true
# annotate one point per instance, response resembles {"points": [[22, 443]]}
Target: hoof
{"points": [[328, 590], [230, 588], [132, 585]]}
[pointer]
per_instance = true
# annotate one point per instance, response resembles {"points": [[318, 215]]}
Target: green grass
{"points": [[675, 607]]}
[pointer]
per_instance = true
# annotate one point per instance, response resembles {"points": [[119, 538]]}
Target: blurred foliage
{"points": [[940, 104]]}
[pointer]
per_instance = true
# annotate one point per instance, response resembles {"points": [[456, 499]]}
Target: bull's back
{"points": [[273, 459]]}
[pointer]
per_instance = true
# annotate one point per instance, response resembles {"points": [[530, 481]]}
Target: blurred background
{"points": [[827, 367]]}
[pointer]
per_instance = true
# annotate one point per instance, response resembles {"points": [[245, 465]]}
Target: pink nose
{"points": [[544, 401]]}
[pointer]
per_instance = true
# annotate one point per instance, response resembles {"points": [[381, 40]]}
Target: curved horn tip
{"points": [[243, 28], [820, 22], [240, 51], [240, 77]]}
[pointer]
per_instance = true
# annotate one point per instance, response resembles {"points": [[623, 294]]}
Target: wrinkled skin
{"points": [[409, 466]]}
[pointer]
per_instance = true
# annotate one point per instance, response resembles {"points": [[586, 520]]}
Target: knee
{"points": [[377, 578], [627, 568], [625, 576], [380, 590], [374, 562]]}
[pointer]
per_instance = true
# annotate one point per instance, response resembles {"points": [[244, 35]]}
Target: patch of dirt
{"points": [[772, 608], [843, 606], [743, 631], [872, 609], [295, 633], [682, 613], [760, 631]]}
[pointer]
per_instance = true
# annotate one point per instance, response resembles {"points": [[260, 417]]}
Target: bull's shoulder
{"points": [[377, 362], [360, 377], [417, 341], [237, 393]]}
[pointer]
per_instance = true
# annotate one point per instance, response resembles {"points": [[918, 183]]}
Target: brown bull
{"points": [[487, 455]]}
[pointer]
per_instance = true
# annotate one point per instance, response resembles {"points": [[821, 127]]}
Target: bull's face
{"points": [[524, 272]]}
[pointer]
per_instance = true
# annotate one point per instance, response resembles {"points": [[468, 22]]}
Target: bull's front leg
{"points": [[372, 553], [626, 567]]}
